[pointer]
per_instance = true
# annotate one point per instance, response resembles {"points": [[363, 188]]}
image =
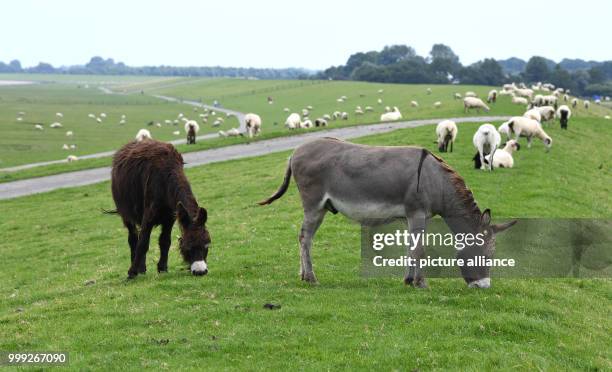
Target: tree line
{"points": [[401, 64], [100, 66]]}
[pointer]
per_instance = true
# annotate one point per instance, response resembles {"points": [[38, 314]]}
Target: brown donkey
{"points": [[150, 188]]}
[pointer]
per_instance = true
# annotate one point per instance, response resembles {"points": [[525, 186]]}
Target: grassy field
{"points": [[176, 321], [251, 96], [67, 94], [20, 143]]}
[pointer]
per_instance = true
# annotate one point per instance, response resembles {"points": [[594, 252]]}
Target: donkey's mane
{"points": [[461, 189]]}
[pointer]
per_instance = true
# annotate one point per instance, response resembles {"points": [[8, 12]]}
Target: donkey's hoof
{"points": [[408, 280], [309, 277], [162, 268], [420, 283], [132, 274]]}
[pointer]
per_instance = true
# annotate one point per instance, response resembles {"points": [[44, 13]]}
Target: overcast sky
{"points": [[309, 33]]}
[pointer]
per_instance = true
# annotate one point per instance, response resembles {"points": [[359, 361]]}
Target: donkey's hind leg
{"points": [[132, 238], [414, 274], [312, 221]]}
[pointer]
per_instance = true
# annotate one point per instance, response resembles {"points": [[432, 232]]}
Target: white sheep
{"points": [[380, 91], [344, 116], [336, 115], [534, 114], [177, 132], [55, 125], [492, 96], [587, 104], [306, 124], [99, 120], [142, 135], [59, 114], [191, 129], [305, 112], [103, 115], [320, 122], [474, 103], [38, 127], [524, 92], [529, 128], [293, 121], [469, 93], [234, 132], [327, 117], [286, 109], [428, 91], [574, 102], [91, 116], [505, 130], [65, 147], [69, 133], [392, 115], [253, 124], [437, 104], [446, 131], [457, 96], [72, 158], [369, 109], [563, 113], [503, 157], [73, 147], [486, 140], [546, 113], [414, 104], [520, 101], [387, 109], [379, 101]]}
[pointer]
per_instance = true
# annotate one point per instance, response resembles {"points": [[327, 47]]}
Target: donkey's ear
{"points": [[202, 217], [182, 215], [499, 227], [485, 218]]}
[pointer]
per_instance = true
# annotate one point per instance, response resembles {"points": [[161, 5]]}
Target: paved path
{"points": [[85, 177]]}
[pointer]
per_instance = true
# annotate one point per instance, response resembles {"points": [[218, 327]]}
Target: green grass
{"points": [[54, 242], [20, 143]]}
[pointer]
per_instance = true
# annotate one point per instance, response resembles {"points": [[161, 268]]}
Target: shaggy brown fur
{"points": [[150, 188], [463, 192]]}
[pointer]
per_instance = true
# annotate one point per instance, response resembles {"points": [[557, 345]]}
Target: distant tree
{"points": [[597, 75], [394, 54], [486, 72], [560, 77], [536, 70], [42, 68], [15, 66], [441, 51]]}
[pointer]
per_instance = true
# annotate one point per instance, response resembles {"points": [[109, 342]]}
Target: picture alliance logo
{"points": [[410, 240]]}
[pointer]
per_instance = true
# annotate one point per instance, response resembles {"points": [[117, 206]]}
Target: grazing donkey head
{"points": [[194, 240], [479, 276]]}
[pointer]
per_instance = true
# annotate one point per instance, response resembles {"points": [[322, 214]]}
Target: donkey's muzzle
{"points": [[480, 283]]}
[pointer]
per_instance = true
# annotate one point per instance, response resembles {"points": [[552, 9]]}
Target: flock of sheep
{"points": [[487, 139], [542, 102]]}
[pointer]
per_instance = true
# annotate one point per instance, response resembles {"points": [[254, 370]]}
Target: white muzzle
{"points": [[480, 283], [199, 268]]}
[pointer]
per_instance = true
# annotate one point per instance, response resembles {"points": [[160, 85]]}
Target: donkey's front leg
{"points": [[312, 221], [414, 274]]}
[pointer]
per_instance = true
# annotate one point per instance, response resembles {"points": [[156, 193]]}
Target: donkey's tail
{"points": [[282, 189], [424, 153], [109, 211]]}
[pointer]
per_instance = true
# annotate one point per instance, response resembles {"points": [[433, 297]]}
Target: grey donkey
{"points": [[376, 184]]}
